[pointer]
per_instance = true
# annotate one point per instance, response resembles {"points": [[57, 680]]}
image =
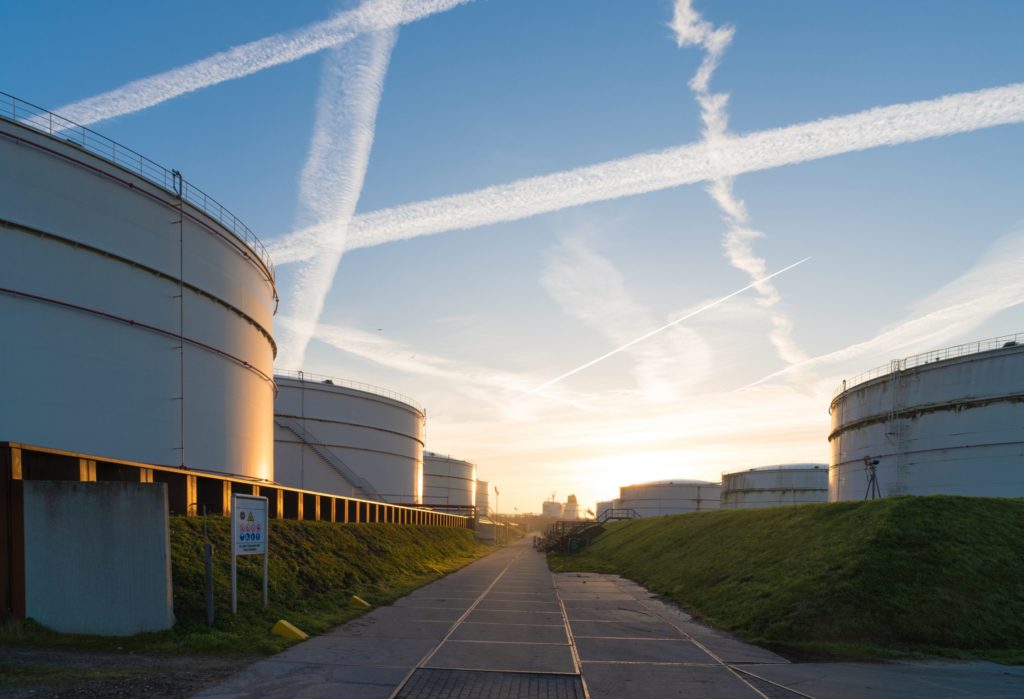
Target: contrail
{"points": [[332, 179], [249, 58], [692, 30], [992, 285], [643, 337], [673, 167]]}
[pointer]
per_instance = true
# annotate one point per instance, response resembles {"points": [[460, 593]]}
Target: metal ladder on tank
{"points": [[307, 439]]}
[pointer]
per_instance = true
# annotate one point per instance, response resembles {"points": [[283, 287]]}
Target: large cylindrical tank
{"points": [[949, 421], [347, 438], [137, 322], [771, 486], [670, 497], [483, 498], [552, 508], [448, 481]]}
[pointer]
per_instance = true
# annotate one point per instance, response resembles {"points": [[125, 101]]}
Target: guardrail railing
{"points": [[931, 356], [348, 383], [35, 117]]}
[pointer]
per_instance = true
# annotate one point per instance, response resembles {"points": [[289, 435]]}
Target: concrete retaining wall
{"points": [[98, 557]]}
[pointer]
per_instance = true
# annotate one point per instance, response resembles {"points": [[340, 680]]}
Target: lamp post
{"points": [[496, 530]]}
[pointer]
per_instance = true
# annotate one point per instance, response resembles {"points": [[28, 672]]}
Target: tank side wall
{"points": [[108, 385]]}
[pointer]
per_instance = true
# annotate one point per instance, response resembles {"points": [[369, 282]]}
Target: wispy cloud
{"points": [[332, 179], [590, 288], [252, 57], [692, 30], [663, 328], [673, 167], [992, 285], [484, 385]]}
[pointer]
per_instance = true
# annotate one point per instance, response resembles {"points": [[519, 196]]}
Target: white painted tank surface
{"points": [[605, 505], [448, 481], [483, 498], [949, 421], [552, 508], [771, 486], [671, 497], [137, 322], [347, 438]]}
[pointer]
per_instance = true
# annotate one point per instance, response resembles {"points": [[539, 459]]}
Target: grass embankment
{"points": [[899, 577], [315, 568]]}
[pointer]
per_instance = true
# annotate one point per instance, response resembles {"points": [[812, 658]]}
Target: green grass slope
{"points": [[896, 577], [315, 568]]}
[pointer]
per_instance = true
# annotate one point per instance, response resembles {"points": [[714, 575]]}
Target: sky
{"points": [[468, 200]]}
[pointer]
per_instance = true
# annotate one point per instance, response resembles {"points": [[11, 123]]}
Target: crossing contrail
{"points": [[240, 61], [648, 172], [332, 179], [692, 30], [643, 337]]}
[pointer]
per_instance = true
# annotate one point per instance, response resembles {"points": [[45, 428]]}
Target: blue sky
{"points": [[493, 91]]}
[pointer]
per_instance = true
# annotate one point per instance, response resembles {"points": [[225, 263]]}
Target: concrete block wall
{"points": [[98, 557]]}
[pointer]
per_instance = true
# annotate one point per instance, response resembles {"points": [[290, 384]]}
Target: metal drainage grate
{"points": [[428, 683], [771, 690]]}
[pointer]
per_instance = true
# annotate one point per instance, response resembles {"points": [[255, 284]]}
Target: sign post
{"points": [[248, 538]]}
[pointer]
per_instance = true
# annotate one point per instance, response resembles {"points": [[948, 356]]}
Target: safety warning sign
{"points": [[249, 526]]}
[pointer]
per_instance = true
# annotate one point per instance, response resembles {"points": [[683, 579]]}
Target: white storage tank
{"points": [[948, 421], [606, 505], [346, 438], [448, 482], [771, 486], [136, 310], [670, 497], [483, 499], [552, 508]]}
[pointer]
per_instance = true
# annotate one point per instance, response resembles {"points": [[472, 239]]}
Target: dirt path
{"points": [[45, 672]]}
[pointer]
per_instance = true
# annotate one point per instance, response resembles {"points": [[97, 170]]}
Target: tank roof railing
{"points": [[44, 121], [348, 383], [916, 360]]}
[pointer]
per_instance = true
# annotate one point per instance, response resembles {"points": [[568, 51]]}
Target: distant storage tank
{"points": [[346, 438], [606, 505], [483, 499], [448, 481], [552, 508], [136, 310], [949, 421], [670, 497], [771, 486], [571, 509]]}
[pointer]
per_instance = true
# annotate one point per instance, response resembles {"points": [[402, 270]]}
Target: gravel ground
{"points": [[43, 672]]}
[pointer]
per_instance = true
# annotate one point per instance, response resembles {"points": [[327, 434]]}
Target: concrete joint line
{"points": [[433, 651]]}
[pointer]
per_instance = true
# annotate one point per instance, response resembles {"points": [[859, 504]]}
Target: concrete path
{"points": [[505, 627]]}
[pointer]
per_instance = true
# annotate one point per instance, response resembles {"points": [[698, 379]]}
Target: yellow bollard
{"points": [[287, 630]]}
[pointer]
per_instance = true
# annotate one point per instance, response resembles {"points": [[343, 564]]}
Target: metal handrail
{"points": [[917, 360], [348, 383], [44, 121]]}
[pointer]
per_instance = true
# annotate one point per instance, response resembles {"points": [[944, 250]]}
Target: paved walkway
{"points": [[504, 627]]}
